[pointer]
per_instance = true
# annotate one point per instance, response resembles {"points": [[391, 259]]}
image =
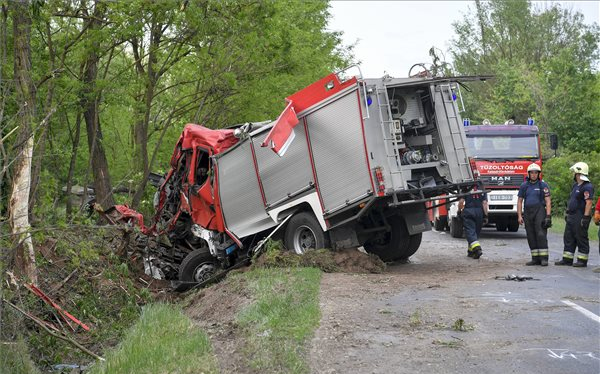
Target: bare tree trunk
{"points": [[41, 146], [74, 149], [141, 126], [90, 101], [3, 94], [19, 200]]}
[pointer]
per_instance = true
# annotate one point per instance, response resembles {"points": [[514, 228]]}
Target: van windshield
{"points": [[503, 147]]}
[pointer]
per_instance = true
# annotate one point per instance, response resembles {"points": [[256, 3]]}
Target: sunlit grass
{"points": [[15, 359], [558, 227], [283, 317], [164, 340]]}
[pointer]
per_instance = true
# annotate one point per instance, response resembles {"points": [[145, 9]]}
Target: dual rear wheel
{"points": [[395, 244]]}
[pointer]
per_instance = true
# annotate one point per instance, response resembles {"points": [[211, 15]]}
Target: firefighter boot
{"points": [[580, 264], [470, 252], [477, 252], [563, 262], [543, 256], [534, 261]]}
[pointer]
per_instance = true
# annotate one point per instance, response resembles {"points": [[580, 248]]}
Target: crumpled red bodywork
{"points": [[201, 202]]}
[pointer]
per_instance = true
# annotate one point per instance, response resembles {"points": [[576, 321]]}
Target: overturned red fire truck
{"points": [[350, 162]]}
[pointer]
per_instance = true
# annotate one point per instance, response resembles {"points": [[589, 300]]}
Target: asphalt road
{"points": [[446, 313]]}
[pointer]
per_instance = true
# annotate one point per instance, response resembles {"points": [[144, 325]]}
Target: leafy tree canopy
{"points": [[546, 66]]}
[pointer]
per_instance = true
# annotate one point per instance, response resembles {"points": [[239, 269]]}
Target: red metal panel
{"points": [[319, 91]]}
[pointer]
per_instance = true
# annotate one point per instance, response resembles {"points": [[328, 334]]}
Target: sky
{"points": [[394, 35]]}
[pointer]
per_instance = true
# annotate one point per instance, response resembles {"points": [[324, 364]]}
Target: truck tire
{"points": [[303, 232], [456, 227], [501, 226], [395, 244], [440, 223], [413, 245], [198, 266], [513, 226]]}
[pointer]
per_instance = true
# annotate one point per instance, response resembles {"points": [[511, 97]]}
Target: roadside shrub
{"points": [[560, 179]]}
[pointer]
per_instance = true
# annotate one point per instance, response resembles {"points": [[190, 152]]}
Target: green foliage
{"points": [[100, 292], [545, 65], [560, 179], [213, 62], [284, 315], [15, 358], [164, 340]]}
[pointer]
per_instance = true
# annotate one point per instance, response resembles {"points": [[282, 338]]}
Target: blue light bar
{"points": [[530, 121], [466, 122]]}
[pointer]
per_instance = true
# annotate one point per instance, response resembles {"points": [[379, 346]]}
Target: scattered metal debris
{"points": [[513, 277]]}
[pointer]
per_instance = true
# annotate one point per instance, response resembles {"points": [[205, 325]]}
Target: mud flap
{"points": [[416, 220]]}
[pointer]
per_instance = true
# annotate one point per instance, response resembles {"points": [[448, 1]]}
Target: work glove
{"points": [[485, 220], [585, 222], [597, 218], [459, 214], [566, 218], [547, 222]]}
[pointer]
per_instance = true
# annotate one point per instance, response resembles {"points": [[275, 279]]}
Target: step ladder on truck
{"points": [[350, 162]]}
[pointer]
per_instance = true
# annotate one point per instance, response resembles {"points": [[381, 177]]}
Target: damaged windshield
{"points": [[504, 147]]}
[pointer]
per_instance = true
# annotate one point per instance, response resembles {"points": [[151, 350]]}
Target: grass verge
{"points": [[162, 341], [558, 227], [284, 315], [15, 359]]}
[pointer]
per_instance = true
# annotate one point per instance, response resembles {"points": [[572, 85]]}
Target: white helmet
{"points": [[581, 168], [534, 167]]}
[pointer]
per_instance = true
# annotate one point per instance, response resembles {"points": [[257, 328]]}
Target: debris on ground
{"points": [[518, 278]]}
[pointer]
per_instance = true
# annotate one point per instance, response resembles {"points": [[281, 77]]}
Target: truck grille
{"points": [[502, 180]]}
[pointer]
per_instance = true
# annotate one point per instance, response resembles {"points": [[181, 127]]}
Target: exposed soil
{"points": [[215, 308]]}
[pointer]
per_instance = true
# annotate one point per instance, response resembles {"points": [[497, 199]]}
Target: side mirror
{"points": [[553, 142]]}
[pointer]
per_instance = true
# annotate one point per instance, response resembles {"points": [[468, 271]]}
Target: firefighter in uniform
{"points": [[473, 210], [578, 218], [597, 222], [536, 195]]}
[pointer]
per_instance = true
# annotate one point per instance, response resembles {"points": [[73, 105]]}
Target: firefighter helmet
{"points": [[580, 168], [534, 167]]}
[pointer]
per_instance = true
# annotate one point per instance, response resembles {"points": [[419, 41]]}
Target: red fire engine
{"points": [[499, 156]]}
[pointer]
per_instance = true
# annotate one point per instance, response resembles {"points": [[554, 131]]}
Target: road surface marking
{"points": [[565, 353], [585, 312]]}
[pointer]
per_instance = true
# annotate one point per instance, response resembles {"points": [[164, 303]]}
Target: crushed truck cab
{"points": [[350, 162]]}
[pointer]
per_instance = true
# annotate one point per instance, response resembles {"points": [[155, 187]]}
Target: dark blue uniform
{"points": [[473, 222], [576, 232], [534, 199]]}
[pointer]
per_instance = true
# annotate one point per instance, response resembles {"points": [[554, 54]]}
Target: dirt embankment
{"points": [[214, 309]]}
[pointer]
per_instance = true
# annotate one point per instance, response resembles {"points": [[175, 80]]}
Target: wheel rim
{"points": [[204, 272], [304, 239]]}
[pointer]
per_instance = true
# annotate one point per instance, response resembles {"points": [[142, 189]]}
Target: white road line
{"points": [[585, 312]]}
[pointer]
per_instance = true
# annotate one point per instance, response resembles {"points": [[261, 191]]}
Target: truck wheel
{"points": [[513, 226], [303, 232], [456, 228], [501, 226], [414, 243], [392, 245], [440, 223], [198, 266]]}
